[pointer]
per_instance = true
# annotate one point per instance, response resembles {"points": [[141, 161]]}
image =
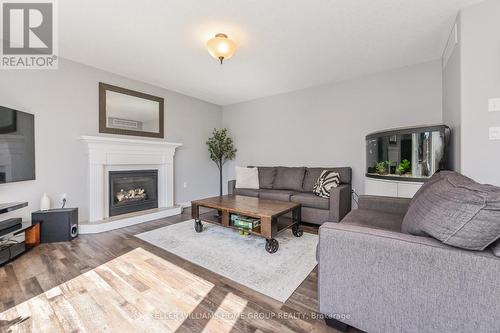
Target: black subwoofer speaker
{"points": [[57, 225]]}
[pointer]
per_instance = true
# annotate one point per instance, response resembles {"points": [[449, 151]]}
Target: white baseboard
{"points": [[186, 204], [126, 220]]}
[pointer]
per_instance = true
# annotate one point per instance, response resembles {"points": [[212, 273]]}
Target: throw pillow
{"points": [[247, 178], [455, 210], [312, 175], [325, 182]]}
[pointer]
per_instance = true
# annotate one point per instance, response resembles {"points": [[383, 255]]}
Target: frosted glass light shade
{"points": [[221, 47]]}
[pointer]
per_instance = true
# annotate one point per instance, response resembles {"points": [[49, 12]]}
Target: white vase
{"points": [[45, 202]]}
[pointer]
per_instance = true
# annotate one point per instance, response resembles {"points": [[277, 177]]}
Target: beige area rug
{"points": [[241, 258], [136, 292]]}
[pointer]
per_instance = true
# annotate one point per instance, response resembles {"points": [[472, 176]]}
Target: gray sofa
{"points": [[378, 279], [295, 184]]}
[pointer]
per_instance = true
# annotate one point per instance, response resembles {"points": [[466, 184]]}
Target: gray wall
{"points": [[326, 126], [452, 101], [65, 104], [480, 74]]}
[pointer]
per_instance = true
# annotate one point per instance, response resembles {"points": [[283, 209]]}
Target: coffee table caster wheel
{"points": [[198, 226], [272, 245], [297, 232]]}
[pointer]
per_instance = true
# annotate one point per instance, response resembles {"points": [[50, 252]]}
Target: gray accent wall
{"points": [[326, 125], [452, 100], [65, 104], [471, 77], [480, 73]]}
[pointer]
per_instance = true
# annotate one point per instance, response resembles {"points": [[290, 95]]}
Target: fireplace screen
{"points": [[132, 191]]}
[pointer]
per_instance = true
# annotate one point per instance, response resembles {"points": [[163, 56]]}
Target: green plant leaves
{"points": [[221, 147]]}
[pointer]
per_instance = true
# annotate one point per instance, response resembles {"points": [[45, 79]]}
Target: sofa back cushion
{"points": [[289, 178], [312, 175], [455, 210], [266, 177]]}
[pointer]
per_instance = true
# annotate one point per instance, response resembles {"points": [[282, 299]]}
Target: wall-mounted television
{"points": [[17, 145]]}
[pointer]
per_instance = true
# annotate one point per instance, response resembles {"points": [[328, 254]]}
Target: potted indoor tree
{"points": [[221, 149]]}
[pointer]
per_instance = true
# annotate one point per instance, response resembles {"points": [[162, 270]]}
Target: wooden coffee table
{"points": [[267, 211]]}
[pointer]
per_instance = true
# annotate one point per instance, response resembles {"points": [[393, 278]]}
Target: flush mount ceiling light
{"points": [[221, 47]]}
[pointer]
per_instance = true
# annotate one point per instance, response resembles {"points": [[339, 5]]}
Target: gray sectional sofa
{"points": [[377, 277], [295, 184]]}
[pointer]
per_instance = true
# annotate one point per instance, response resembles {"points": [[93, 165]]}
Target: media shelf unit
{"points": [[16, 236], [11, 206]]}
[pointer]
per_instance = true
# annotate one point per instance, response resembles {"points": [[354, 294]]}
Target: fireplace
{"points": [[132, 191]]}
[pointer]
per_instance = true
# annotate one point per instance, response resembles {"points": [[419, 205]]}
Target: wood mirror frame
{"points": [[103, 128]]}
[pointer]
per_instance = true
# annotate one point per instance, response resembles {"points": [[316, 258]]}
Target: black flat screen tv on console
{"points": [[17, 146]]}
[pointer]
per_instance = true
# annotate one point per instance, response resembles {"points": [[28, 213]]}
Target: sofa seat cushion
{"points": [[289, 178], [311, 200], [455, 210], [281, 195], [249, 192], [374, 219]]}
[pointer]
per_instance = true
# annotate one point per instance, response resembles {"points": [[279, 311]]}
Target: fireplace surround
{"points": [[110, 154], [132, 191]]}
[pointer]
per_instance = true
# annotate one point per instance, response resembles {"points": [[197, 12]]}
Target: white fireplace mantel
{"points": [[114, 154]]}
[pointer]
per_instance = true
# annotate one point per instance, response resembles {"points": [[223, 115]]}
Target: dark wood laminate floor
{"points": [[49, 265]]}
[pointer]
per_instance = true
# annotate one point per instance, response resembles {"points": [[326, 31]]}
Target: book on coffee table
{"points": [[244, 222]]}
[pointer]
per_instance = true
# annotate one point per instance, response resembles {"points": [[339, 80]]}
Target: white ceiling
{"points": [[283, 45]]}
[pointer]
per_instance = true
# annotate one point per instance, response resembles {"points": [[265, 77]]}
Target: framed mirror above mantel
{"points": [[128, 112]]}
